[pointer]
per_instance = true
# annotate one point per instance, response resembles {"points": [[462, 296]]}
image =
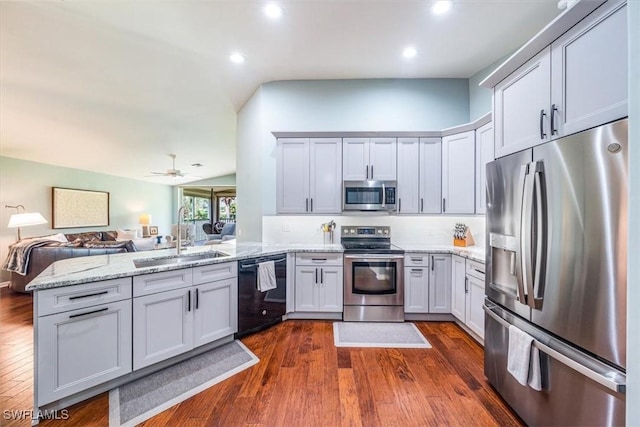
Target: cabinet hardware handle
{"points": [[311, 205], [417, 270], [479, 271], [319, 259], [197, 298], [89, 312], [466, 285], [371, 171], [416, 259], [316, 276], [421, 205], [444, 205], [399, 205], [189, 300], [367, 169], [433, 264], [542, 116], [322, 275], [554, 110], [89, 295], [306, 205]]}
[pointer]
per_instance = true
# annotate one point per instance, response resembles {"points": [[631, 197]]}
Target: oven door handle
{"points": [[365, 257]]}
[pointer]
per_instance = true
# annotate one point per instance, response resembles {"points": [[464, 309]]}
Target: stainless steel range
{"points": [[373, 275]]}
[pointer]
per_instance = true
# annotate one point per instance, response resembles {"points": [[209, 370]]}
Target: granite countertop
{"points": [[75, 271]]}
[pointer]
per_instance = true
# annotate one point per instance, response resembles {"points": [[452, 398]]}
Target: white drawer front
{"points": [[213, 272], [417, 260], [58, 300], [158, 282], [319, 259], [475, 269]]}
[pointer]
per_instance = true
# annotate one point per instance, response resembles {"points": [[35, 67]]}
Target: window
{"points": [[196, 208], [227, 211]]}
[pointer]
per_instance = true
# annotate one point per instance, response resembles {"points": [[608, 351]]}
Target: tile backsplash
{"points": [[405, 229]]}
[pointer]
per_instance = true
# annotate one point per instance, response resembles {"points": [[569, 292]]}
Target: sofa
{"points": [[77, 245], [228, 232]]}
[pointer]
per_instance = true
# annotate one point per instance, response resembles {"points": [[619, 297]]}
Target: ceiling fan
{"points": [[173, 172]]}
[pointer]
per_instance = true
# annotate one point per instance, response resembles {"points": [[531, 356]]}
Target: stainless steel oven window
{"points": [[374, 277]]}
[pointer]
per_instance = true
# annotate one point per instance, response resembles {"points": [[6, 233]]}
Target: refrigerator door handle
{"points": [[610, 383], [526, 231], [521, 294], [535, 298]]}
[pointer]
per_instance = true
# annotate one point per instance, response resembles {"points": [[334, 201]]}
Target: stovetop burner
{"points": [[374, 239]]}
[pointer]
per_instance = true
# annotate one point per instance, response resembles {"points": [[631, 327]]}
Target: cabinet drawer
{"points": [[319, 259], [419, 260], [213, 272], [475, 269], [67, 298], [147, 284]]}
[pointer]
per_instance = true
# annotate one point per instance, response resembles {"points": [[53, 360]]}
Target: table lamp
{"points": [[24, 219], [145, 220]]}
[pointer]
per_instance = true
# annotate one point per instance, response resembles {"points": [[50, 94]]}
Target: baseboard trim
{"points": [[4, 284]]}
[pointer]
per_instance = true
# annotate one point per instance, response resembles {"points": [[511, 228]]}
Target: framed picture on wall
{"points": [[153, 230], [79, 208]]}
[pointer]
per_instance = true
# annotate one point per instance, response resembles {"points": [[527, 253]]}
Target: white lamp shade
{"points": [[26, 219], [144, 219]]}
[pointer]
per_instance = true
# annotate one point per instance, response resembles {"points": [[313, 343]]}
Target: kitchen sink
{"points": [[177, 259]]}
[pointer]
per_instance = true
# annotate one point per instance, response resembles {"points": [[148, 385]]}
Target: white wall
{"points": [[406, 229], [29, 184], [331, 105], [633, 273], [480, 98]]}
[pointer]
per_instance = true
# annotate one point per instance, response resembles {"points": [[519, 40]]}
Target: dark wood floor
{"points": [[302, 380]]}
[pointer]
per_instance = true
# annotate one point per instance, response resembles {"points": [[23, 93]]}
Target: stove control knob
{"points": [[379, 231], [386, 231]]}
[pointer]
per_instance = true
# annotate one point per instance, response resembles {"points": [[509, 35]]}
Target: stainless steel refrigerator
{"points": [[556, 269]]}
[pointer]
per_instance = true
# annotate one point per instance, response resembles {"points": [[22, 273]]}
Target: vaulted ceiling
{"points": [[116, 86]]}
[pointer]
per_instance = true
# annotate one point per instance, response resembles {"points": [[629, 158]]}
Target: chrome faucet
{"points": [[179, 244]]}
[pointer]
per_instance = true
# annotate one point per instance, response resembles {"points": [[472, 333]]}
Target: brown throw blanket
{"points": [[19, 253]]}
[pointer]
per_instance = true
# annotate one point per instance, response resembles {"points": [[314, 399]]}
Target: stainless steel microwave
{"points": [[369, 196]]}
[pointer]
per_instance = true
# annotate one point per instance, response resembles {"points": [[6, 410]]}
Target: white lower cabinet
{"points": [[318, 283], [169, 323], [468, 293], [427, 281], [82, 348]]}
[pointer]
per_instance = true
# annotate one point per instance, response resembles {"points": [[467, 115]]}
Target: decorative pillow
{"points": [[127, 235], [145, 244], [110, 235], [105, 244], [57, 237]]}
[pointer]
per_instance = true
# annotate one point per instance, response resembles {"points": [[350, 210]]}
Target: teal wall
{"points": [[29, 184], [480, 98]]}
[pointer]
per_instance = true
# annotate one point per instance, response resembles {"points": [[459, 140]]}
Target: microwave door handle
{"points": [[520, 294], [526, 232], [541, 235], [384, 191]]}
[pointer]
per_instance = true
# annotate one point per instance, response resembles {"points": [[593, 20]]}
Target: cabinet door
{"points": [[215, 309], [484, 155], [82, 348], [440, 284], [325, 180], [458, 288], [416, 289], [430, 175], [475, 301], [331, 292], [408, 176], [382, 159], [162, 326], [521, 106], [355, 159], [306, 289], [292, 175], [589, 71], [458, 173]]}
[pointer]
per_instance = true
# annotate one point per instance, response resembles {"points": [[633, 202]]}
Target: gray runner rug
{"points": [[141, 399], [373, 334]]}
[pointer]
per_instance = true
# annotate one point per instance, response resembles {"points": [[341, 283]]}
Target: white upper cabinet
{"points": [[408, 191], [484, 155], [369, 158], [577, 82], [589, 71], [521, 106], [458, 173], [430, 175], [309, 175]]}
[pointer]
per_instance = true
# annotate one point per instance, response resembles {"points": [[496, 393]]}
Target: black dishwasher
{"points": [[259, 310]]}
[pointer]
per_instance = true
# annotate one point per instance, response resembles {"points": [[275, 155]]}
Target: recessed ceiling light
{"points": [[441, 7], [273, 11], [409, 52], [237, 58]]}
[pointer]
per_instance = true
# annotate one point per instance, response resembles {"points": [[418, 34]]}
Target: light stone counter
{"points": [[75, 271], [475, 253]]}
